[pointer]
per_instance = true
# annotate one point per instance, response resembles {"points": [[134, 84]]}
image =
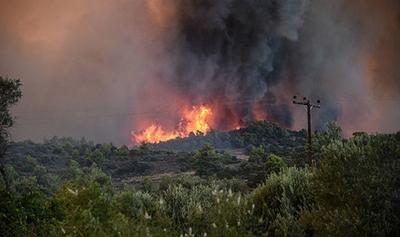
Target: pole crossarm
{"points": [[309, 106]]}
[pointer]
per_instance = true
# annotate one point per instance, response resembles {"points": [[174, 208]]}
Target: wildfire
{"points": [[194, 119]]}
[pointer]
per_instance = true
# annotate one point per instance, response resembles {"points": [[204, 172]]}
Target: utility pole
{"points": [[309, 106]]}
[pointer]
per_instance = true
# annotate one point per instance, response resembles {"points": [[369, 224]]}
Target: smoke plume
{"points": [[101, 68]]}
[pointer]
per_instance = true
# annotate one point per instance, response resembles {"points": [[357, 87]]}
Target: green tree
{"points": [[123, 151], [97, 157], [10, 93], [333, 132], [207, 161], [280, 202], [357, 187], [274, 164], [257, 154]]}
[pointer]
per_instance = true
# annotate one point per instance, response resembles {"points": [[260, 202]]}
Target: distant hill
{"points": [[58, 159], [270, 136]]}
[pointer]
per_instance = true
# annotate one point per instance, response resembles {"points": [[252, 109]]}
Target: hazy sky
{"points": [[94, 68]]}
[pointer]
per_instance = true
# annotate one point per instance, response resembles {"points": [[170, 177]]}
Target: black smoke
{"points": [[235, 51], [101, 69]]}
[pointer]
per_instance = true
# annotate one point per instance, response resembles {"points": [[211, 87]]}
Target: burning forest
{"points": [[197, 119], [151, 70], [239, 59], [213, 118]]}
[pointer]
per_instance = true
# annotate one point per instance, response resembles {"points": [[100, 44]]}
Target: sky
{"points": [[98, 68]]}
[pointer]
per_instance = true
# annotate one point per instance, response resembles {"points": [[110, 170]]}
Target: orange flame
{"points": [[153, 134], [195, 119]]}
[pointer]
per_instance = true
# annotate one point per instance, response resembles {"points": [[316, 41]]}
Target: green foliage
{"points": [[357, 187], [97, 157], [257, 154], [353, 190], [106, 149], [274, 164], [123, 151], [28, 214], [207, 161], [143, 148], [261, 133], [332, 133], [87, 210], [281, 200], [135, 204], [10, 93], [74, 170], [207, 151]]}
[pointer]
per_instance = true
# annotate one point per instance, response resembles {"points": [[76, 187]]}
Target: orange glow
{"points": [[195, 119], [161, 11], [153, 134], [259, 112]]}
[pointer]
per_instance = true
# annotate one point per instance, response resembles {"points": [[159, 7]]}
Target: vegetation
{"points": [[10, 93], [352, 190], [64, 187], [269, 136]]}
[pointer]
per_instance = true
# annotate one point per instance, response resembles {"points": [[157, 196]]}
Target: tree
{"points": [[10, 93], [257, 154], [123, 151], [357, 187], [280, 202], [97, 157], [207, 161], [274, 164], [333, 132]]}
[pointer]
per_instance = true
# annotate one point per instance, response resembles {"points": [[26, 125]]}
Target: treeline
{"points": [[351, 189], [49, 163], [271, 137], [53, 162]]}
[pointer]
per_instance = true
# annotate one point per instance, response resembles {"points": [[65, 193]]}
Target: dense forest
{"points": [[255, 181]]}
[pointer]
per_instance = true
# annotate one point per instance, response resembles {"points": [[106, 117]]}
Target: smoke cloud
{"points": [[231, 51], [102, 68], [347, 56]]}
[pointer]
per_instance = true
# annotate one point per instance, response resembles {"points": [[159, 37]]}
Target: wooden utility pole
{"points": [[309, 106]]}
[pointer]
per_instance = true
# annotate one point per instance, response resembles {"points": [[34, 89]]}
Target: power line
{"points": [[309, 106]]}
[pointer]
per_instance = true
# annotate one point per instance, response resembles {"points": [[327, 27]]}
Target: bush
{"points": [[274, 164], [87, 210], [281, 200], [28, 214], [257, 154], [135, 204], [207, 161], [357, 187]]}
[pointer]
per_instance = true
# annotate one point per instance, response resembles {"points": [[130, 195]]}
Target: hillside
{"points": [[54, 160], [270, 136]]}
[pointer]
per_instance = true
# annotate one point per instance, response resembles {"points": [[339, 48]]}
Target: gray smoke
{"points": [[101, 68], [233, 50], [348, 56]]}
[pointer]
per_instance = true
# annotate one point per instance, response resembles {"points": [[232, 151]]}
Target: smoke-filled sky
{"points": [[101, 68]]}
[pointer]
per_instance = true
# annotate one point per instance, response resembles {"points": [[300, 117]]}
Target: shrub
{"points": [[280, 201], [257, 154], [28, 214], [87, 210], [274, 164], [207, 161], [357, 187], [135, 204]]}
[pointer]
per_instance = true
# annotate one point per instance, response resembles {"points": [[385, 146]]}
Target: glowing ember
{"points": [[195, 119]]}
